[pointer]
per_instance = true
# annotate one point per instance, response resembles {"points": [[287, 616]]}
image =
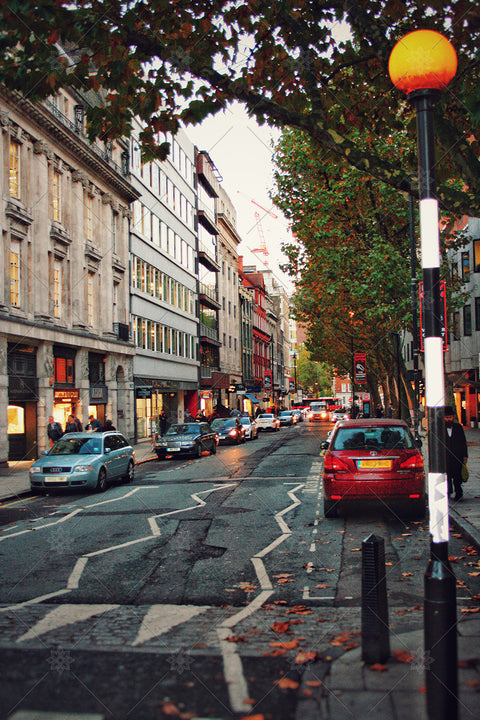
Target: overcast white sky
{"points": [[242, 153]]}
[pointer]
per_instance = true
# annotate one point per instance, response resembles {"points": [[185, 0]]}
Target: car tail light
{"points": [[233, 432], [414, 462], [332, 463]]}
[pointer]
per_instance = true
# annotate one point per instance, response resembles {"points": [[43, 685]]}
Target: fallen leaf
{"points": [[407, 574], [274, 653], [300, 610], [286, 644], [350, 646], [280, 627], [422, 689], [403, 656], [249, 701], [253, 717], [284, 580], [306, 692], [235, 639], [287, 684], [314, 683], [322, 586], [304, 657], [469, 610], [378, 667]]}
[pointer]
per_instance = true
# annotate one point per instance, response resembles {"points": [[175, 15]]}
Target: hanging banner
{"points": [[267, 381], [360, 363]]}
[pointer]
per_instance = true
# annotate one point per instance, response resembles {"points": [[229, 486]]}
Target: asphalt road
{"points": [[201, 590]]}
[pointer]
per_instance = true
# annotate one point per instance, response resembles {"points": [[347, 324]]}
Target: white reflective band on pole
{"points": [[438, 506], [434, 373], [429, 237]]}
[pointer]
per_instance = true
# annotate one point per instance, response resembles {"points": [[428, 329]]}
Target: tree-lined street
{"points": [[207, 588]]}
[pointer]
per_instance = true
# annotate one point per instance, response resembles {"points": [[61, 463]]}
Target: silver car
{"points": [[251, 428], [84, 460]]}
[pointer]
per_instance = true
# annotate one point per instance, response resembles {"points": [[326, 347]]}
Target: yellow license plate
{"points": [[374, 464]]}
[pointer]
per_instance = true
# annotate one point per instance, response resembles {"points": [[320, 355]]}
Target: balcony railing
{"points": [[206, 371], [209, 291], [209, 332], [75, 128]]}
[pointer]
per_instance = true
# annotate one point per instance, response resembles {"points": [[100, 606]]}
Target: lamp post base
{"points": [[440, 628]]}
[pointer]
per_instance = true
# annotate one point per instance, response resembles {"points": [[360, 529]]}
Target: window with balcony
{"points": [[90, 298], [465, 267], [467, 320], [57, 288], [88, 219]]}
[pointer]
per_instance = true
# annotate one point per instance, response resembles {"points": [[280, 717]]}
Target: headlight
{"points": [[232, 433], [83, 468], [188, 443], [34, 470]]}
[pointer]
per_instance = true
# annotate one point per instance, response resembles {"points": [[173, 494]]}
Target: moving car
{"points": [[84, 460], [186, 439], [229, 430], [250, 427], [268, 421], [286, 417], [318, 411], [374, 460], [339, 414], [298, 414]]}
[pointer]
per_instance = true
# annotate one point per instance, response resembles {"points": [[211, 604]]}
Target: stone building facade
{"points": [[64, 286]]}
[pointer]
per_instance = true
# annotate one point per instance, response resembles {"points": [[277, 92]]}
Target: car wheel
{"points": [[214, 448], [160, 456], [102, 480], [330, 508], [130, 474]]}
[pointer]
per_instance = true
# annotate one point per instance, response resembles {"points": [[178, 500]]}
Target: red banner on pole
{"points": [[360, 363]]}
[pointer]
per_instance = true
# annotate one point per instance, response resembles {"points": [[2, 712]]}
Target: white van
{"points": [[318, 411]]}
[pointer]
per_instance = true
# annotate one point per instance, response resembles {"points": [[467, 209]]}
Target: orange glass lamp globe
{"points": [[423, 59]]}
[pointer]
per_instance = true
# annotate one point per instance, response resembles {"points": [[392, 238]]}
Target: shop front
{"points": [[154, 396], [65, 403], [22, 402]]}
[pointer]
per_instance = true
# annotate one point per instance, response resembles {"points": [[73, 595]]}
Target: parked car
{"points": [[373, 460], [287, 417], [250, 427], [229, 430], [268, 421], [84, 460], [186, 439], [339, 414]]}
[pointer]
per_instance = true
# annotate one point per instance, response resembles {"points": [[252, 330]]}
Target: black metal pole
{"points": [[414, 290], [440, 587]]}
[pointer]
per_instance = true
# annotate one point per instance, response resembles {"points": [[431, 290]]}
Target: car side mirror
{"points": [[325, 445], [418, 442], [108, 450], [44, 452]]}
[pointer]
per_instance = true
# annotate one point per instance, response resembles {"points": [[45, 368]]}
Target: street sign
{"points": [[360, 363]]}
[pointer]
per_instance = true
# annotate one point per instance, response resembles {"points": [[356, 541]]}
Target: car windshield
{"points": [[77, 446], [245, 421], [266, 417], [372, 438], [285, 413], [223, 422], [184, 429]]}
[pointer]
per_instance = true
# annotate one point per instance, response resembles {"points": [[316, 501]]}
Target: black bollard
{"points": [[375, 630]]}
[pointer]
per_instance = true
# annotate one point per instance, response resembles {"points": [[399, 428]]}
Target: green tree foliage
{"points": [[351, 255], [317, 65], [314, 377]]}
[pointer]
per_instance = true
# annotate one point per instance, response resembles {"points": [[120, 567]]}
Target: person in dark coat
{"points": [[163, 422], [94, 424], [109, 425], [73, 424], [456, 452], [54, 430]]}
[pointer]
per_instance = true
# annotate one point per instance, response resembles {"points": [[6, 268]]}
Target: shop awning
{"points": [[252, 398]]}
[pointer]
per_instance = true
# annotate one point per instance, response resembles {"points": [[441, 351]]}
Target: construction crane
{"points": [[263, 246]]}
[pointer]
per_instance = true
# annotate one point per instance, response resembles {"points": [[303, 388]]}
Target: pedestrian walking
{"points": [[54, 430], [456, 452], [200, 416], [94, 424], [109, 425], [73, 424]]}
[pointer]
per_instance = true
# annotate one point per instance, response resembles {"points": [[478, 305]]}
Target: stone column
{"points": [[45, 392], [3, 403], [83, 384]]}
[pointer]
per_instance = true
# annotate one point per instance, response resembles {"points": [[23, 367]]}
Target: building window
{"points": [[465, 267], [477, 313], [467, 320], [90, 298], [57, 288], [114, 231], [476, 255], [15, 273], [63, 371], [88, 217], [14, 169], [56, 196]]}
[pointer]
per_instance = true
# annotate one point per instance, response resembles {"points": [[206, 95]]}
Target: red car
{"points": [[373, 460]]}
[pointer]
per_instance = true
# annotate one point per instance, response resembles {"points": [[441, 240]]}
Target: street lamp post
{"points": [[295, 369], [421, 65]]}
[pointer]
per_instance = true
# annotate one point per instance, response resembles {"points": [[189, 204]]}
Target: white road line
{"points": [[162, 618], [63, 615]]}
